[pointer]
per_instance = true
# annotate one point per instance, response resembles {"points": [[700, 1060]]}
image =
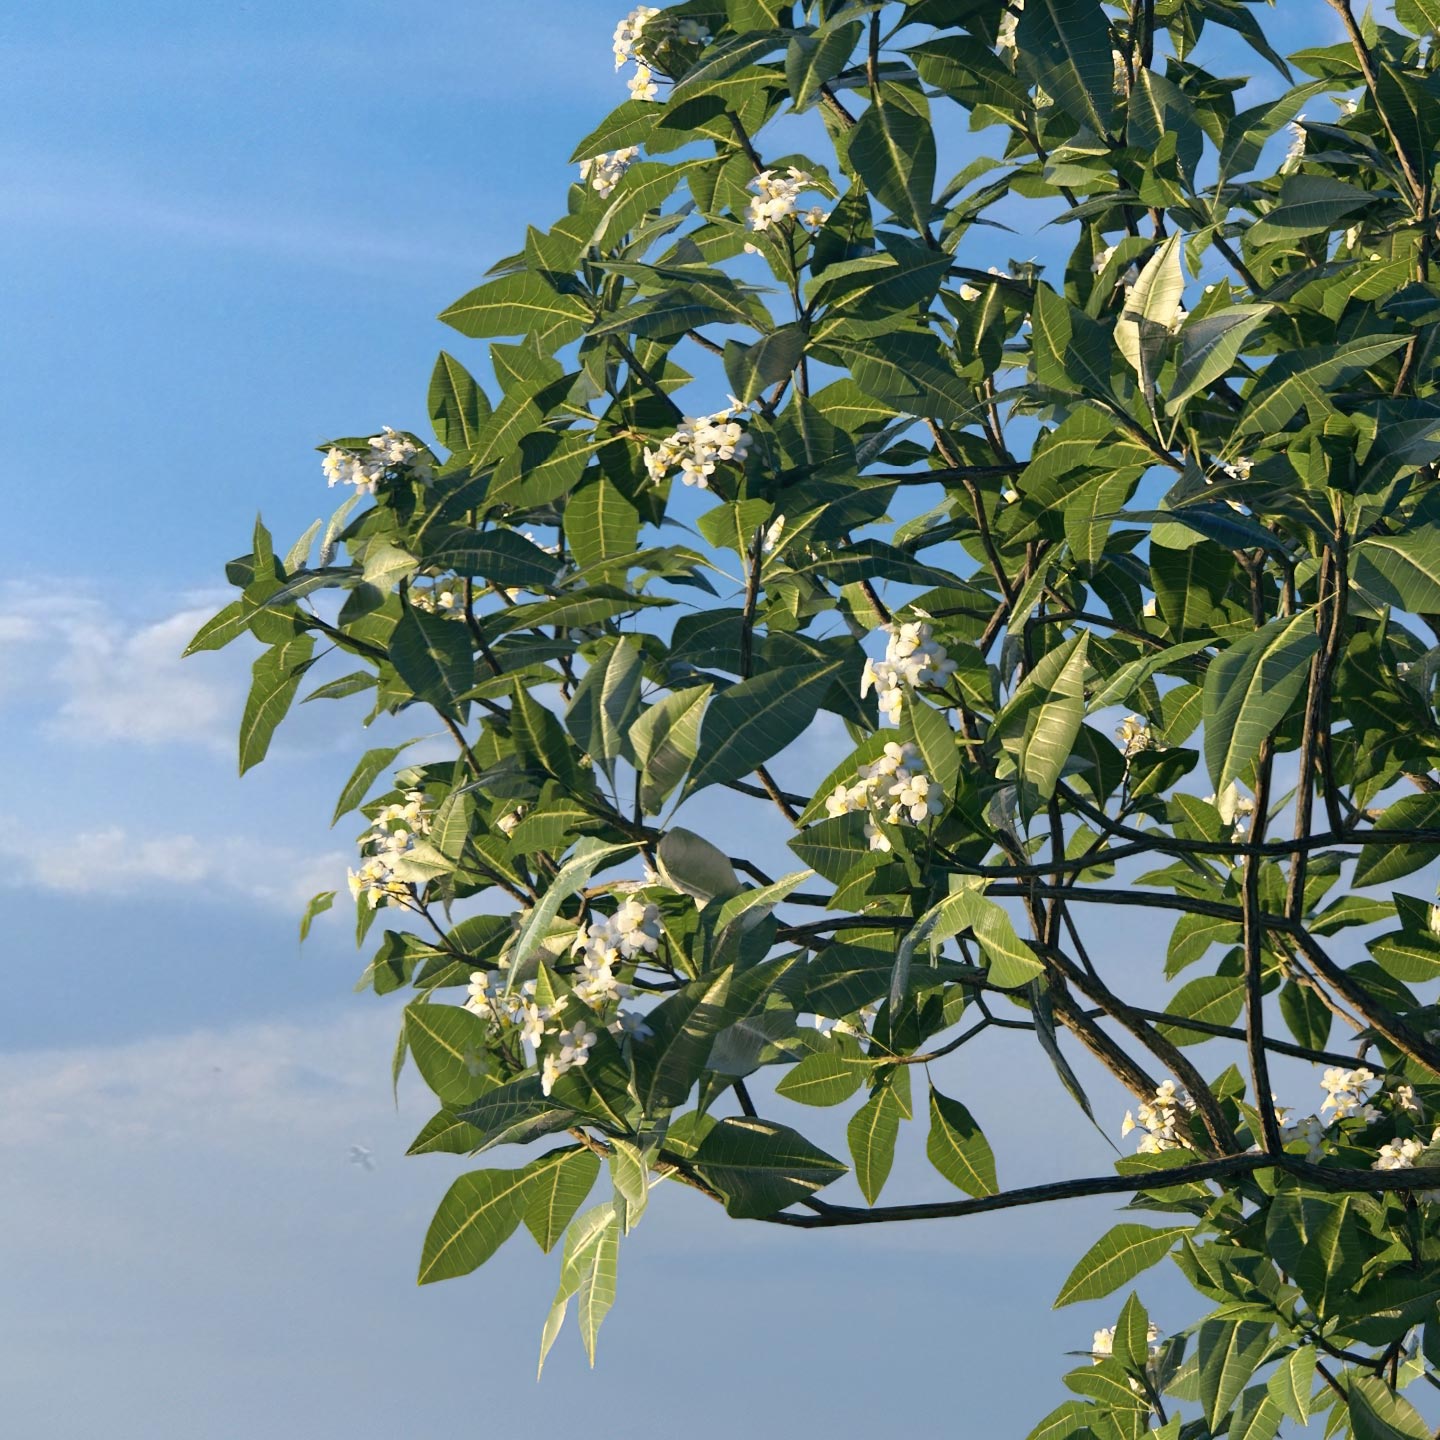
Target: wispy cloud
{"points": [[114, 861], [100, 677]]}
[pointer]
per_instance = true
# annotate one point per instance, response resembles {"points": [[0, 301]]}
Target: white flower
{"points": [[633, 931], [776, 197], [1296, 153], [551, 1069], [1398, 1155], [631, 1023], [627, 32], [969, 292], [1348, 1093], [642, 84], [1432, 918], [913, 657], [1235, 809], [388, 454], [532, 1022], [604, 171], [1102, 259], [773, 534], [1150, 608], [1347, 106], [1005, 36], [391, 835], [814, 217], [698, 445], [1160, 1118], [1406, 1098], [1135, 736], [1312, 1131], [575, 1043], [892, 787], [1103, 1345]]}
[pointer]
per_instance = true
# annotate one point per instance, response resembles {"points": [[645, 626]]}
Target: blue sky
{"points": [[225, 234]]}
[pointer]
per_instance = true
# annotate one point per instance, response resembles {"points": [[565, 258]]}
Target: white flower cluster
{"points": [[391, 835], [777, 196], [1103, 1345], [434, 602], [627, 34], [488, 998], [1160, 1119], [604, 171], [389, 453], [893, 786], [913, 657], [1349, 1092], [1135, 736], [632, 931], [1402, 1155], [698, 445]]}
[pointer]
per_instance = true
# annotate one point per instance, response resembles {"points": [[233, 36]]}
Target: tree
{"points": [[974, 517]]}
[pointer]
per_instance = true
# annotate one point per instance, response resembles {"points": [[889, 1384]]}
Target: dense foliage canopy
{"points": [[1111, 576]]}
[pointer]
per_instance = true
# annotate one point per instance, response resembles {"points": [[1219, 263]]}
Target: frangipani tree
{"points": [[1118, 569]]}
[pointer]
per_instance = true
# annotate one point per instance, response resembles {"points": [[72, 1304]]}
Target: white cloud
{"points": [[113, 861], [113, 679]]}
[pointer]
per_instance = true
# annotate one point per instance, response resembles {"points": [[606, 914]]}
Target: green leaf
{"points": [[1229, 1354], [500, 556], [448, 1045], [751, 369], [1011, 963], [1115, 1259], [372, 764], [872, 1133], [1400, 570], [748, 723], [1299, 377], [456, 403], [477, 1216], [573, 875], [445, 1134], [600, 522], [1249, 689], [691, 864], [606, 702], [683, 1027], [1151, 308], [1042, 720], [433, 656], [276, 677], [318, 905], [828, 1077], [1293, 1382], [1209, 346], [812, 60], [519, 304], [1064, 47], [557, 1187], [1379, 864], [958, 1148], [723, 60], [1378, 1413], [665, 739], [1217, 999], [1309, 204], [908, 372], [759, 1168], [893, 152]]}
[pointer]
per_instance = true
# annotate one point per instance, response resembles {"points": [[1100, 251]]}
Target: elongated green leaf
{"points": [[1401, 570], [1379, 864], [748, 723], [1292, 1383], [827, 1077], [557, 1186], [893, 151], [1378, 1413], [433, 656], [457, 404], [1064, 47], [683, 1027], [1115, 1259], [477, 1216], [1249, 688], [811, 60], [665, 739], [958, 1148], [1308, 203], [1299, 377], [448, 1045], [372, 764], [1228, 1353], [445, 1133], [500, 556], [276, 677], [519, 304], [1209, 346], [759, 1168], [751, 369], [872, 1133]]}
